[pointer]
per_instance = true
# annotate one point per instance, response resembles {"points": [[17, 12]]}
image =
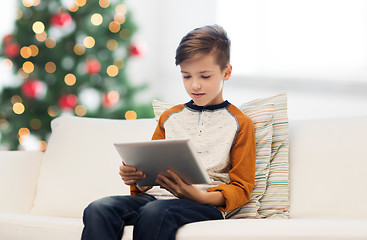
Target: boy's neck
{"points": [[192, 105]]}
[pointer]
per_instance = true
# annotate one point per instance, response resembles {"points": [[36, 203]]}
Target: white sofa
{"points": [[43, 194]]}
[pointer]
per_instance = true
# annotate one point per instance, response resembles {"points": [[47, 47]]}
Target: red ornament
{"points": [[61, 19], [11, 50], [137, 49], [92, 67], [110, 99], [67, 101], [33, 89], [8, 39]]}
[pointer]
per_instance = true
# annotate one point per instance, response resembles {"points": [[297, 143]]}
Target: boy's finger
{"points": [[175, 177], [127, 168]]}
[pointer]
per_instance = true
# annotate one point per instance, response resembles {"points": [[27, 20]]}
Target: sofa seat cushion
{"points": [[21, 226], [275, 229]]}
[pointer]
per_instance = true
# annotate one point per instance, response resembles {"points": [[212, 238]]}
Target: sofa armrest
{"points": [[18, 180]]}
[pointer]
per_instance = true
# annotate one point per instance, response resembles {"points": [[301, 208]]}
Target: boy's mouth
{"points": [[198, 95]]}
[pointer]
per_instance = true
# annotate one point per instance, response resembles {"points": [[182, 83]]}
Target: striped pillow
{"points": [[275, 201], [262, 116], [270, 120]]}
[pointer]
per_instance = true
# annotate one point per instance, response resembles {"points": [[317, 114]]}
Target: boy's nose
{"points": [[196, 85]]}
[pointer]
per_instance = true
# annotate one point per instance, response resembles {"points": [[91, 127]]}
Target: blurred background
{"points": [[315, 50]]}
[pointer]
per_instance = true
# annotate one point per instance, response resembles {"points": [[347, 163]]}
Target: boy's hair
{"points": [[202, 41]]}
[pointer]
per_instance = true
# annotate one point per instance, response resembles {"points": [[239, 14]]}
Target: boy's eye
{"points": [[206, 76], [187, 77]]}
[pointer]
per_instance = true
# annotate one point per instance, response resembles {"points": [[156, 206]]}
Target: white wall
{"points": [[162, 24], [311, 94]]}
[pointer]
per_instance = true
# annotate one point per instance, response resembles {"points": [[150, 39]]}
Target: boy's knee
{"points": [[96, 206], [152, 209]]}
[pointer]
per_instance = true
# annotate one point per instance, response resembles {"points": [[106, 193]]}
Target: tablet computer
{"points": [[157, 156]]}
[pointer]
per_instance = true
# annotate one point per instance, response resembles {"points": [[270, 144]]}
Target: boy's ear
{"points": [[227, 72]]}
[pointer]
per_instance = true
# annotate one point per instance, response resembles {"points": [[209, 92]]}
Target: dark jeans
{"points": [[152, 219]]}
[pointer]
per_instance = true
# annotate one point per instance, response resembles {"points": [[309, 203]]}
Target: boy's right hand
{"points": [[130, 175]]}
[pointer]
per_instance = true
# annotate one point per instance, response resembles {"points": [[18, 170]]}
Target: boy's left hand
{"points": [[174, 184]]}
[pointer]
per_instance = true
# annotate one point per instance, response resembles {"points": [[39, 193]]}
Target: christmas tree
{"points": [[70, 57]]}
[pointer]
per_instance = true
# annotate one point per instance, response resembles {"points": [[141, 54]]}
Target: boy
{"points": [[220, 132]]}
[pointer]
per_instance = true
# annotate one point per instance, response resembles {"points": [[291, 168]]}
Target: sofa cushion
{"points": [[270, 195], [328, 168], [19, 172], [22, 226], [275, 229], [81, 163]]}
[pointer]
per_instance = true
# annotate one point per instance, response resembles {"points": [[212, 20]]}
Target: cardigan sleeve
{"points": [[242, 172]]}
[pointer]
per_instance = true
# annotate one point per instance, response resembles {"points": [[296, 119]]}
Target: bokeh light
{"points": [[38, 27], [25, 52], [112, 97], [112, 70], [70, 79], [96, 19], [130, 115], [50, 67], [43, 146], [89, 42], [18, 108], [34, 50], [112, 44], [114, 27], [104, 3], [23, 132], [119, 18], [50, 43], [8, 63], [80, 110], [79, 49], [121, 9], [31, 3], [16, 99], [41, 37], [80, 3], [28, 67], [73, 8], [52, 111]]}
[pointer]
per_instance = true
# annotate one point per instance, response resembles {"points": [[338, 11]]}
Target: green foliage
{"points": [[65, 48]]}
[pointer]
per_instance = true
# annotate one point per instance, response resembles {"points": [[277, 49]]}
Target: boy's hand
{"points": [[174, 184], [130, 175]]}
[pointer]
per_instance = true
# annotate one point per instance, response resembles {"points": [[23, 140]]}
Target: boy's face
{"points": [[203, 79]]}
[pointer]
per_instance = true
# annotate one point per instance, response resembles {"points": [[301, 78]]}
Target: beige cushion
{"points": [[81, 163], [19, 172], [328, 168]]}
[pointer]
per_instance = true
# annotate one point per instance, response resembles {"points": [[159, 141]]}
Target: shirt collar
{"points": [[192, 106]]}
